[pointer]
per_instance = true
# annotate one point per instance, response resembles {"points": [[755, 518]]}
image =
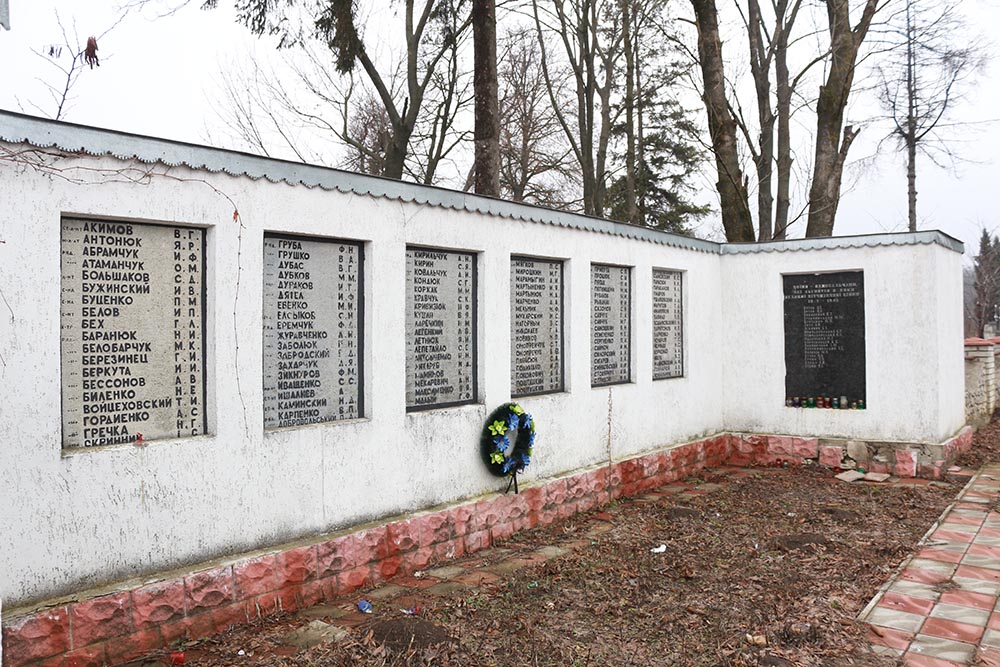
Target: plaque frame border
{"points": [[784, 341], [360, 333], [657, 378], [631, 314], [75, 449], [562, 325], [475, 330]]}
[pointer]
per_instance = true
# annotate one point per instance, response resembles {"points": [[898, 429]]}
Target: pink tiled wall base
{"points": [[132, 622], [907, 460]]}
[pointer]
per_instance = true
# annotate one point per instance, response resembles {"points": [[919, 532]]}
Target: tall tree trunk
{"points": [[487, 129], [734, 201], [761, 71], [831, 147], [631, 210], [911, 123], [783, 91]]}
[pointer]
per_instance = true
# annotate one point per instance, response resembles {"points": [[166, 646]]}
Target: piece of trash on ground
{"points": [[658, 550], [364, 606]]}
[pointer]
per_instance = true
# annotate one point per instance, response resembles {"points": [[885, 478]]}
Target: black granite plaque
{"points": [[536, 326], [440, 328], [312, 330], [610, 324], [668, 330], [825, 335], [131, 332]]}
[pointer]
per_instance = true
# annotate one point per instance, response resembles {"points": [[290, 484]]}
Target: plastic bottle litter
{"points": [[364, 606], [412, 611], [658, 550], [177, 658]]}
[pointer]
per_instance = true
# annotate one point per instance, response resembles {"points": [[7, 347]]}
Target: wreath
{"points": [[500, 457]]}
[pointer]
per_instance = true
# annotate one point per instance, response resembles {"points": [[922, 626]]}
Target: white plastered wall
{"points": [[71, 520], [913, 343]]}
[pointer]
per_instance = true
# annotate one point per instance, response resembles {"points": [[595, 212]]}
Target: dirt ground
{"points": [[769, 567]]}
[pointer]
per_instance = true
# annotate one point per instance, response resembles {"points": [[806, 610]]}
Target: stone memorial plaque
{"points": [[536, 326], [312, 330], [825, 335], [440, 328], [610, 324], [668, 330], [131, 332]]}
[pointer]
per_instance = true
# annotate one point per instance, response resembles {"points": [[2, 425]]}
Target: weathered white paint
{"points": [[913, 341], [83, 518]]}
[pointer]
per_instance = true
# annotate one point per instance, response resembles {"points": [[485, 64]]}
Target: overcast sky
{"points": [[157, 77]]}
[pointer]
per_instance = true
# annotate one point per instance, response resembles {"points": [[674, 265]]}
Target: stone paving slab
{"points": [[941, 607]]}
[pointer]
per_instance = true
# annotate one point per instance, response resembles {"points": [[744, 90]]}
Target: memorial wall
{"points": [[177, 385]]}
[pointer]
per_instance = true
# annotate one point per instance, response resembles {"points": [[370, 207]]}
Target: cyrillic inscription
{"points": [[131, 323], [440, 328], [825, 336], [668, 334], [610, 324], [535, 326], [312, 331]]}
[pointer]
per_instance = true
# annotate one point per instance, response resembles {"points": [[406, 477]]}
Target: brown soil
{"points": [[774, 572]]}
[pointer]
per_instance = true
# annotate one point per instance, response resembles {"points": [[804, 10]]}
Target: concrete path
{"points": [[941, 609]]}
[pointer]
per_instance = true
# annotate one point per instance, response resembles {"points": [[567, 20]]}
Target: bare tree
{"points": [[833, 140], [923, 80], [431, 31], [536, 162], [80, 55], [590, 36], [731, 183]]}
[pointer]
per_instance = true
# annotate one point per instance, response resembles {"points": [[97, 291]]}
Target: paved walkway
{"points": [[942, 609]]}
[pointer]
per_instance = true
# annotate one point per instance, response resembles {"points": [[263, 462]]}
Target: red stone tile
{"points": [[254, 577], [475, 578], [951, 536], [989, 532], [387, 568], [224, 618], [295, 566], [994, 622], [463, 517], [917, 660], [208, 589], [416, 582], [983, 573], [501, 532], [830, 456], [555, 492], [448, 550], [906, 603], [964, 520], [354, 579], [989, 657], [334, 556], [35, 637], [369, 545], [158, 603], [890, 637], [477, 541], [318, 590], [922, 576], [984, 550], [434, 528], [88, 656], [912, 481], [402, 536], [969, 599], [101, 618], [942, 627], [930, 553], [134, 646]]}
